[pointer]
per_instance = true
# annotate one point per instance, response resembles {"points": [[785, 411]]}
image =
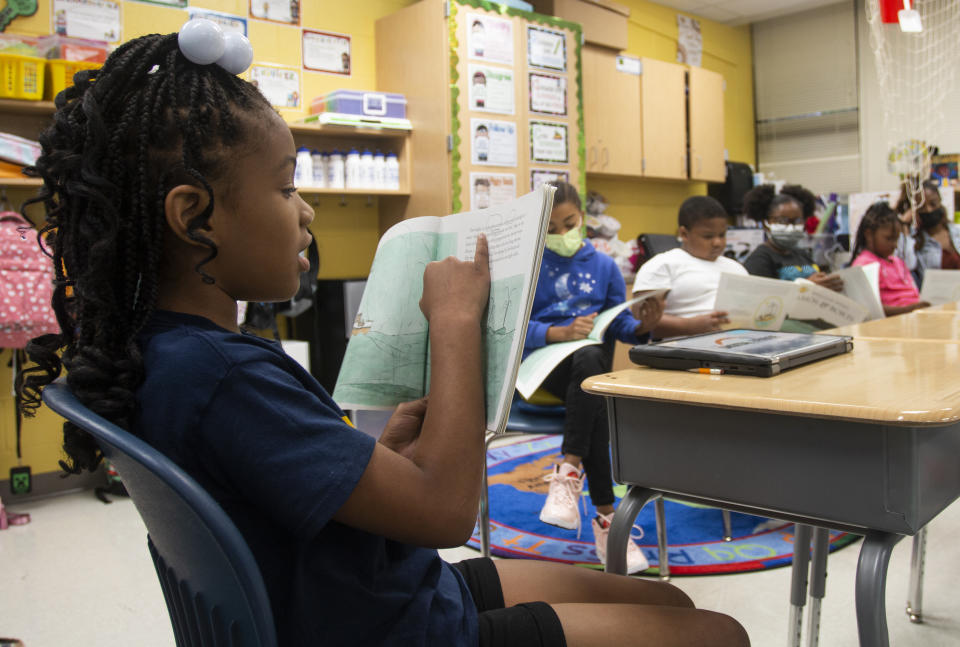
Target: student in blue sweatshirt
{"points": [[576, 282]]}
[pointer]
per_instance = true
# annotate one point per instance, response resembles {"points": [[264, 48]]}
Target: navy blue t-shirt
{"points": [[261, 435]]}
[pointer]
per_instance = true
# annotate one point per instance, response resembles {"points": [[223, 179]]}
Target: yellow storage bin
{"points": [[60, 74], [21, 77]]}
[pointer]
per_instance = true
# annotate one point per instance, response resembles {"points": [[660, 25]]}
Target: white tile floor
{"points": [[79, 574]]}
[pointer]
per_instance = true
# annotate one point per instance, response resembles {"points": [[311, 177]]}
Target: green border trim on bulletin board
{"points": [[549, 21]]}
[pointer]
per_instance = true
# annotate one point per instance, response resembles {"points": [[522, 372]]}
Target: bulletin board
{"points": [[517, 114]]}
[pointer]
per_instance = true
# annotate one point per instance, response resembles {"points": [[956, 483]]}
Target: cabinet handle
{"points": [[592, 157], [699, 165], [683, 165], [606, 157]]}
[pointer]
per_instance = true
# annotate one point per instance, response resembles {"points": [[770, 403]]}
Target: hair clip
{"points": [[203, 42]]}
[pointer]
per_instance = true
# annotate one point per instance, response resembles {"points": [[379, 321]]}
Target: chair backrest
{"points": [[211, 582], [654, 244]]}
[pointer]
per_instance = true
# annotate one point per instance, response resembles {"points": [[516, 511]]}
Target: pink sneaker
{"points": [[560, 509], [636, 562]]}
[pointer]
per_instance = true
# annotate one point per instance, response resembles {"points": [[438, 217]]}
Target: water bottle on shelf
{"points": [[392, 172], [352, 165], [319, 172], [336, 171], [379, 170], [303, 171], [366, 169]]}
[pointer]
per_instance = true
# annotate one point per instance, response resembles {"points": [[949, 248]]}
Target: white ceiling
{"points": [[741, 12]]}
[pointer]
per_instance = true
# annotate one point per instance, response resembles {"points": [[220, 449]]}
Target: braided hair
{"points": [[879, 214], [760, 201], [121, 138]]}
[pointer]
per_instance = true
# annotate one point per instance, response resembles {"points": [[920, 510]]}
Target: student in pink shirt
{"points": [[876, 241]]}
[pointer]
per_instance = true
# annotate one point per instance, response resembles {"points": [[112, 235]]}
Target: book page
{"points": [[515, 232], [823, 308], [538, 364], [862, 284], [940, 286], [754, 302], [386, 358]]}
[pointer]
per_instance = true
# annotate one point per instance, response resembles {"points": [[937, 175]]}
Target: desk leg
{"points": [[623, 519], [917, 564], [871, 586], [663, 560], [818, 583], [798, 582]]}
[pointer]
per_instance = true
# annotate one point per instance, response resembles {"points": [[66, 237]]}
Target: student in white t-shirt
{"points": [[692, 271]]}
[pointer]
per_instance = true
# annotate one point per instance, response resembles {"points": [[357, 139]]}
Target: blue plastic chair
{"points": [[211, 582]]}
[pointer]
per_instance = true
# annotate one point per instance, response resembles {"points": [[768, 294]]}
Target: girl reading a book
{"points": [[168, 188], [576, 282], [783, 216], [876, 242]]}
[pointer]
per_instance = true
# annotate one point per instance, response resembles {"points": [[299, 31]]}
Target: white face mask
{"points": [[784, 235]]}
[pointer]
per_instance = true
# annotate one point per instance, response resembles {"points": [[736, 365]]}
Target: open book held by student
{"points": [[940, 286], [387, 358], [539, 364], [760, 303]]}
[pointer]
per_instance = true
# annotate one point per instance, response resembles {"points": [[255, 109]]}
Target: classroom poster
{"points": [[546, 48], [285, 11], [689, 41], [228, 22], [548, 94], [491, 89], [740, 242], [539, 176], [179, 4], [490, 38], [280, 85], [493, 143], [326, 52], [94, 19], [491, 189], [548, 142]]}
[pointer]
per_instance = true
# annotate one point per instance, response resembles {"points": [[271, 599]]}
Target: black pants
{"points": [[585, 429]]}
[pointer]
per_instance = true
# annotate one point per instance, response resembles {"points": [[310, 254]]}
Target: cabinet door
{"points": [[664, 119], [611, 113], [705, 102]]}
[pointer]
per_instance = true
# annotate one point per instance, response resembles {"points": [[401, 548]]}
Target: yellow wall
{"points": [[651, 205]]}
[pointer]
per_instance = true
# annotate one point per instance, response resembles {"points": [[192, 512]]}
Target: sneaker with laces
{"points": [[636, 561], [560, 509]]}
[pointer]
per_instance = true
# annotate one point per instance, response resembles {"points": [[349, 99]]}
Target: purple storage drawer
{"points": [[357, 102]]}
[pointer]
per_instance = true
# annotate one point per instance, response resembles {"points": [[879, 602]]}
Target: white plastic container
{"points": [[319, 172], [379, 171], [392, 172], [352, 164], [366, 169], [336, 171], [303, 172]]}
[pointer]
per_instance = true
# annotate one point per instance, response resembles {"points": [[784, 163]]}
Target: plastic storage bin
{"points": [[357, 102], [21, 77], [60, 74]]}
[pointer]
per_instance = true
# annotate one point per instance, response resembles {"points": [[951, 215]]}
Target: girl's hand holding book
{"points": [[459, 289]]}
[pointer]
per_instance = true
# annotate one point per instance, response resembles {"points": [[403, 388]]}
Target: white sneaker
{"points": [[560, 509], [636, 562]]}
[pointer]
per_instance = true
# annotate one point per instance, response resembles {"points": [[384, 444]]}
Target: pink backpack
{"points": [[26, 284]]}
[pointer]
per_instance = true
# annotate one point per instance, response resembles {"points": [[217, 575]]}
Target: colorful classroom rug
{"points": [[694, 533]]}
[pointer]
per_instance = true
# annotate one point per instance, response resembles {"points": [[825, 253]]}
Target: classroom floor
{"points": [[80, 574]]}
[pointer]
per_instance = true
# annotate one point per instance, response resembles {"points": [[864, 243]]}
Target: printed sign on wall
{"points": [[490, 38], [326, 52]]}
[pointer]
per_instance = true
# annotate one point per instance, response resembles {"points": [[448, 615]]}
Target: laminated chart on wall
{"points": [[515, 89]]}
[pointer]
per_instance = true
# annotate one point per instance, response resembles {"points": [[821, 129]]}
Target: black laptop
{"points": [[741, 352]]}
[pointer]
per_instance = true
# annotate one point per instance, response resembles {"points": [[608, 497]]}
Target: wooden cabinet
{"points": [[705, 105], [663, 119], [611, 113]]}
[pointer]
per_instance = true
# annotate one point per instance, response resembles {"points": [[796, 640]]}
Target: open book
{"points": [[387, 357], [761, 303], [940, 286], [538, 364]]}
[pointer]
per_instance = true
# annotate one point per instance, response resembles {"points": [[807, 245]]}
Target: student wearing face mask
{"points": [[576, 282], [783, 215], [937, 238]]}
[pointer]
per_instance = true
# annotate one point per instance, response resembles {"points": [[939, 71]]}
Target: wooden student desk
{"points": [[922, 325], [865, 442]]}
